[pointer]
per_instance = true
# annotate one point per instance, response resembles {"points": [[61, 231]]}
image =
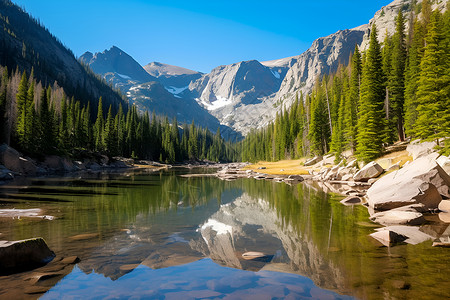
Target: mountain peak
{"points": [[116, 61]]}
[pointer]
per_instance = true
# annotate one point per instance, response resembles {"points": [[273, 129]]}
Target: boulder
{"points": [[351, 163], [371, 170], [9, 157], [444, 206], [5, 174], [312, 161], [295, 178], [259, 256], [388, 237], [347, 177], [27, 166], [61, 164], [13, 161], [443, 240], [385, 163], [23, 255], [411, 234], [394, 167], [372, 180], [328, 160], [417, 149], [398, 217], [444, 162], [406, 186], [351, 200]]}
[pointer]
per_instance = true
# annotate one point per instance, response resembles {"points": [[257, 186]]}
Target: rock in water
{"points": [[406, 186], [351, 200], [408, 234], [371, 170], [388, 237], [259, 256], [398, 217], [23, 255]]}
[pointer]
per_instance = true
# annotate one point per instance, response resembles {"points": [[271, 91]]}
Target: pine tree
{"points": [[108, 133], [412, 77], [433, 91], [371, 115], [47, 139], [99, 127], [22, 103], [3, 117], [397, 75]]}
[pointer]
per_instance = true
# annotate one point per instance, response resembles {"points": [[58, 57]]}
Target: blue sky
{"points": [[198, 35]]}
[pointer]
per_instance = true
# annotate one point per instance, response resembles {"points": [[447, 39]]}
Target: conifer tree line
{"points": [[394, 90], [40, 120]]}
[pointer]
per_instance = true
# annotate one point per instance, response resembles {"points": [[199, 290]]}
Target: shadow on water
{"points": [[135, 231]]}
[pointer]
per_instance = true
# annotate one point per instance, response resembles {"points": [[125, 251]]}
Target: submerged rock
{"points": [[351, 200], [398, 217], [388, 237], [408, 234], [23, 255]]}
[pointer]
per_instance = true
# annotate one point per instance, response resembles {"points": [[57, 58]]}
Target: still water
{"points": [[162, 236]]}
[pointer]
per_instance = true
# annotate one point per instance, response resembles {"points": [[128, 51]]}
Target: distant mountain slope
{"points": [[25, 44], [172, 76], [148, 92]]}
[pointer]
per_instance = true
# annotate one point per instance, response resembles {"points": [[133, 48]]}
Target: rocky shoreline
{"points": [[13, 164], [411, 201]]}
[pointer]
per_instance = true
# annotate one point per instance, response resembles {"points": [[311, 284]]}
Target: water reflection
{"points": [[142, 230]]}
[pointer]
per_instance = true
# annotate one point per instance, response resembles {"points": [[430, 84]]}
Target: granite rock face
{"points": [[422, 181], [23, 255]]}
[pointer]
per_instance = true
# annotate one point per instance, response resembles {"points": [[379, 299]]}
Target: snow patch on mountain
{"points": [[175, 91]]}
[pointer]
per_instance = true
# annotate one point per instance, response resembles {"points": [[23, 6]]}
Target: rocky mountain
{"points": [[248, 94], [117, 67], [154, 89], [25, 44], [231, 93]]}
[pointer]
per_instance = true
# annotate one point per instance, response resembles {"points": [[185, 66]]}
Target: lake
{"points": [[161, 236]]}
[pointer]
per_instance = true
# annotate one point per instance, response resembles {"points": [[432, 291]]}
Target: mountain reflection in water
{"points": [[156, 235]]}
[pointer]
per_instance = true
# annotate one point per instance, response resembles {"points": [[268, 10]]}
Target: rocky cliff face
{"points": [[384, 19], [237, 94], [323, 57]]}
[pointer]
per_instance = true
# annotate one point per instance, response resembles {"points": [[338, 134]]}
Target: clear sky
{"points": [[198, 35]]}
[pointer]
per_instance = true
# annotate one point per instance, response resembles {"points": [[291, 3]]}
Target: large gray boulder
{"points": [[13, 161], [23, 255], [417, 149], [60, 164], [371, 170], [422, 181]]}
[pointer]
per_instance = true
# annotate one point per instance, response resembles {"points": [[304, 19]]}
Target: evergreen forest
{"points": [[39, 120]]}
